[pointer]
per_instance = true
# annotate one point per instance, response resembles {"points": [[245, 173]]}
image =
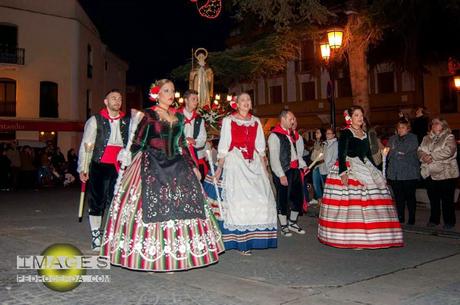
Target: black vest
{"points": [[196, 126], [103, 135], [285, 151]]}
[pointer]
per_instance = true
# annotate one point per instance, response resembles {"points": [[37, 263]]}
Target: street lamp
{"points": [[325, 51], [334, 37], [328, 50]]}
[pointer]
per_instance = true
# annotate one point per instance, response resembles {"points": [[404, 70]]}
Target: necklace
{"points": [[357, 129], [161, 108], [166, 116], [358, 132], [244, 118]]}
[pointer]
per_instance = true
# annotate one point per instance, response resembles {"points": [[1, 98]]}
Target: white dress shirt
{"points": [[200, 141], [274, 147], [89, 136]]}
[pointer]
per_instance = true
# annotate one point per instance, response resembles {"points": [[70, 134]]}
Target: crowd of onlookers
{"points": [[418, 152], [32, 168]]}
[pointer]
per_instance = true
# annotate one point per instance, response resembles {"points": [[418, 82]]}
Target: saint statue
{"points": [[202, 78]]}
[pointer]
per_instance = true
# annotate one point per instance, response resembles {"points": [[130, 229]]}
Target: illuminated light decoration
{"points": [[181, 100], [457, 82], [211, 9], [325, 51], [177, 95], [42, 133], [229, 98], [218, 97], [216, 102], [334, 36], [52, 133]]}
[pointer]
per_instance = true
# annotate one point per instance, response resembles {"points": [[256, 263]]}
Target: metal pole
{"points": [[330, 93], [332, 99]]}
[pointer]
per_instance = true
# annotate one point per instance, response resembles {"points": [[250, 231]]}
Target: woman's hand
{"points": [[426, 158], [197, 173], [344, 179], [218, 173]]}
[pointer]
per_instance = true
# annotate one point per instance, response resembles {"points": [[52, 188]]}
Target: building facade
{"points": [[54, 71], [302, 88]]}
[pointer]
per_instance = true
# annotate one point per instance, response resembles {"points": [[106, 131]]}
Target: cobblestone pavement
{"points": [[300, 271]]}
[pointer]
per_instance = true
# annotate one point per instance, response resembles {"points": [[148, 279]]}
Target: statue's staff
{"points": [[88, 153], [214, 181]]}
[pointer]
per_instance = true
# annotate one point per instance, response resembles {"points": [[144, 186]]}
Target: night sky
{"points": [[155, 36]]}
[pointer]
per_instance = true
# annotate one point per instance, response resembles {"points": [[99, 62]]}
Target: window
{"points": [[308, 91], [448, 94], [344, 87], [48, 99], [385, 82], [9, 52], [307, 53], [8, 36], [276, 95], [89, 70], [7, 97], [253, 97]]}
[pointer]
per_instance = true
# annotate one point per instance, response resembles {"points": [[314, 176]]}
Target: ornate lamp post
{"points": [[328, 50]]}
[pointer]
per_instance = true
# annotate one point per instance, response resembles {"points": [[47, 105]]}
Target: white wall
{"points": [[55, 35]]}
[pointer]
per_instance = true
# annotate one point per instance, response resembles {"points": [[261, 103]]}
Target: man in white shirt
{"points": [[286, 163], [106, 133], [194, 131]]}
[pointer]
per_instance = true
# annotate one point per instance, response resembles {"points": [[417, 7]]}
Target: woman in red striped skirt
{"points": [[357, 209]]}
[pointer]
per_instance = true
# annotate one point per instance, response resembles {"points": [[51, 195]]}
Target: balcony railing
{"points": [[10, 55], [8, 108]]}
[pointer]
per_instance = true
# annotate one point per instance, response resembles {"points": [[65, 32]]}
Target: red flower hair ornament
{"points": [[347, 117], [154, 93], [233, 103]]}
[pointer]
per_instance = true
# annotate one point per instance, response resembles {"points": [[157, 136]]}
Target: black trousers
{"points": [[404, 192], [441, 192], [101, 183], [289, 197]]}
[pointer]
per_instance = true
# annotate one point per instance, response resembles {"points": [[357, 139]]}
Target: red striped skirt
{"points": [[360, 215], [176, 244]]}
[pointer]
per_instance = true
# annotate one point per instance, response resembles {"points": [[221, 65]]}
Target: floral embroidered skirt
{"points": [[360, 215], [168, 245]]}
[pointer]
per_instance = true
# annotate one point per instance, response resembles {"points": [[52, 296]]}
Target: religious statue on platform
{"points": [[202, 78]]}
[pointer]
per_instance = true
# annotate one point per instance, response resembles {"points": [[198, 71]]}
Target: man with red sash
{"points": [[285, 163], [107, 131], [194, 131]]}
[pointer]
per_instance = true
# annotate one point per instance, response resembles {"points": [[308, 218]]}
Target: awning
{"points": [[57, 125]]}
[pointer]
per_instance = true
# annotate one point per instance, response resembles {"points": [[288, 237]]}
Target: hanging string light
{"points": [[211, 9]]}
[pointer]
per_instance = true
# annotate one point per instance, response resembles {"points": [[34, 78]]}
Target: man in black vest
{"points": [[107, 133], [194, 130], [286, 163]]}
